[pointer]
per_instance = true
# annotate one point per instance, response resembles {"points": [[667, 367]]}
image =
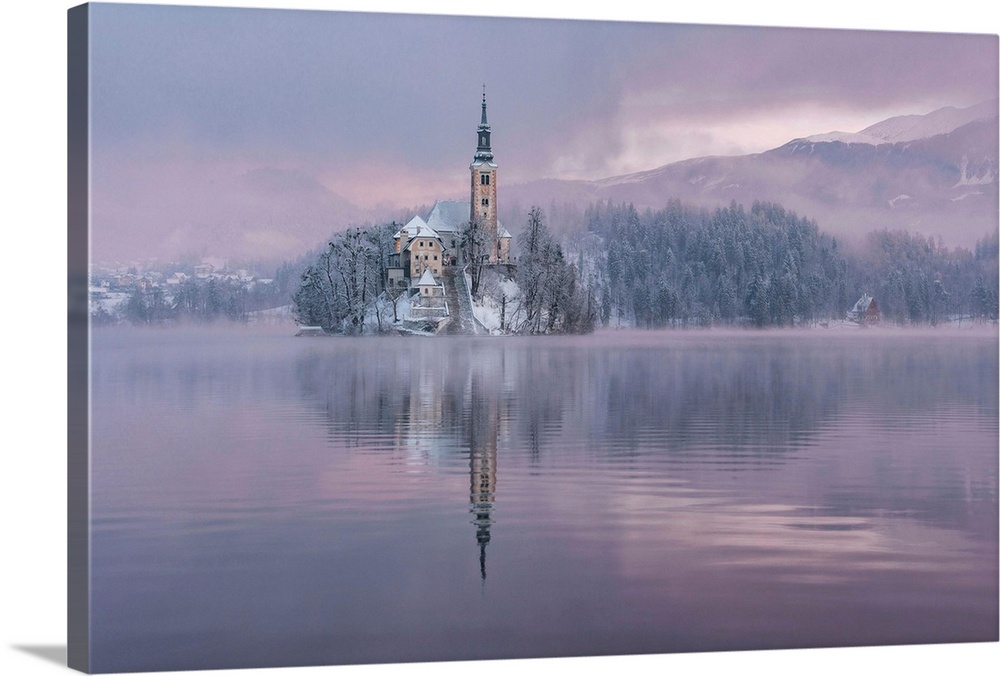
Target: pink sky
{"points": [[344, 115]]}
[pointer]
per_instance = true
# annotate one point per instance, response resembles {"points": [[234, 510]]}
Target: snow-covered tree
{"points": [[343, 288], [553, 299]]}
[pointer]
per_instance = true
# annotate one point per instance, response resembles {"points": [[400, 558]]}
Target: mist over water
{"points": [[262, 500]]}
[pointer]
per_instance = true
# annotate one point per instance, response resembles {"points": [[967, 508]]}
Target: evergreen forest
{"points": [[766, 266], [617, 266]]}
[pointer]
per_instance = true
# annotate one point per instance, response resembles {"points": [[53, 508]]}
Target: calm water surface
{"points": [[262, 500]]}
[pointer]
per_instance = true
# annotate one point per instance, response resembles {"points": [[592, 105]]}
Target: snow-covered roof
{"points": [[451, 216], [862, 305], [412, 227], [448, 215], [416, 228], [427, 279], [424, 232], [427, 231]]}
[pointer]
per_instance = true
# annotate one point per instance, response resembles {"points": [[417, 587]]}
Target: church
{"points": [[434, 243]]}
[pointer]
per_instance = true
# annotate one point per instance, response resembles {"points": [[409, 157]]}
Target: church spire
{"points": [[483, 202], [483, 151], [483, 124]]}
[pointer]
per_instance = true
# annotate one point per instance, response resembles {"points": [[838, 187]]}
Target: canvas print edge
{"points": [[78, 343]]}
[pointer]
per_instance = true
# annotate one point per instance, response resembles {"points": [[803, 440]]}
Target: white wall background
{"points": [[32, 370]]}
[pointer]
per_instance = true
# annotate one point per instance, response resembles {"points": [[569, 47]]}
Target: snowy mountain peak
{"points": [[913, 127]]}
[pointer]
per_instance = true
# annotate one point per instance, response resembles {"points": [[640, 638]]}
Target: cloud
{"points": [[370, 103]]}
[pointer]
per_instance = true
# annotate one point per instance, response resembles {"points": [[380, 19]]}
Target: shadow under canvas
{"points": [[49, 653]]}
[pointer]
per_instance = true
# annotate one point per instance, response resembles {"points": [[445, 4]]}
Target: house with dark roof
{"points": [[865, 311]]}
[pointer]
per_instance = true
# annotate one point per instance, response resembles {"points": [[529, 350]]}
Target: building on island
{"points": [[430, 301], [483, 197], [435, 242], [417, 248]]}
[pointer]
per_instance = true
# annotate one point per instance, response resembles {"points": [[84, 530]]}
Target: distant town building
{"points": [[204, 270], [865, 311]]}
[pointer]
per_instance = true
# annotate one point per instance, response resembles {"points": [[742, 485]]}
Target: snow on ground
{"points": [[488, 308], [109, 301], [967, 194], [844, 137], [383, 307], [912, 127], [280, 311], [403, 305], [985, 178], [487, 311], [275, 315]]}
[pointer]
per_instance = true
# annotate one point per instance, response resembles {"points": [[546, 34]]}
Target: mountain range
{"points": [[935, 174]]}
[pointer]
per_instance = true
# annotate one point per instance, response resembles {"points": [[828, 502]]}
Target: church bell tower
{"points": [[483, 201]]}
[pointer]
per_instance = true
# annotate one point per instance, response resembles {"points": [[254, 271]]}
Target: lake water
{"points": [[264, 500]]}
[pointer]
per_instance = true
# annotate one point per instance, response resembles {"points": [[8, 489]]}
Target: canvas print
{"points": [[406, 338]]}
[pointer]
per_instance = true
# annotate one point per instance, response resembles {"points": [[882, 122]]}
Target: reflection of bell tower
{"points": [[483, 207], [484, 429]]}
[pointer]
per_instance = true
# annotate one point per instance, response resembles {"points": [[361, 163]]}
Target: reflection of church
{"points": [[484, 432], [435, 243], [455, 407]]}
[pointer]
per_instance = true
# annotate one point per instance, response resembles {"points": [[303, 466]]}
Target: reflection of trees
{"points": [[763, 394], [442, 400], [359, 392], [748, 401]]}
